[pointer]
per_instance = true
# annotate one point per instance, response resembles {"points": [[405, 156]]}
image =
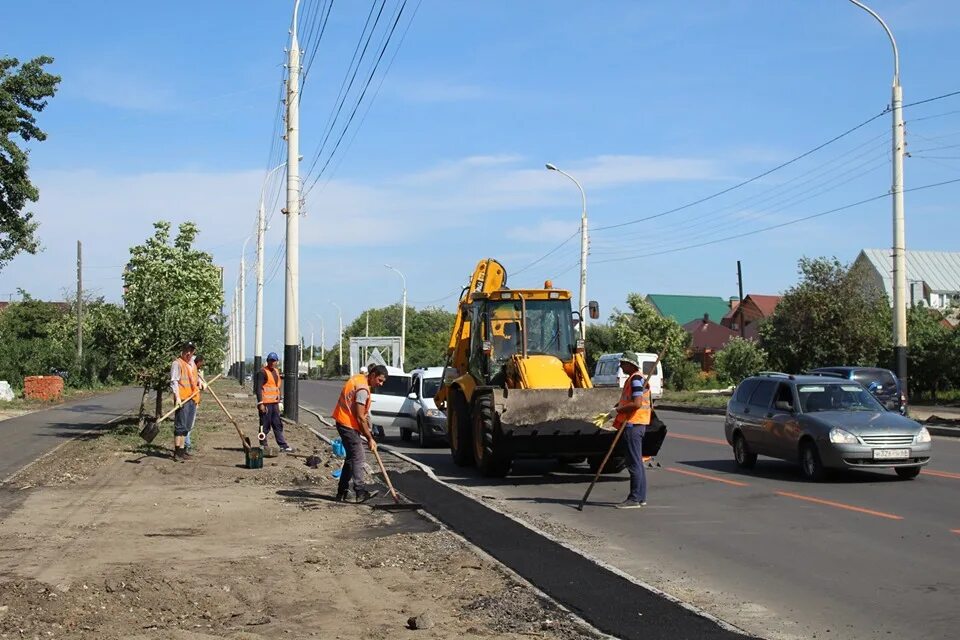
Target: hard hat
{"points": [[272, 357], [631, 358]]}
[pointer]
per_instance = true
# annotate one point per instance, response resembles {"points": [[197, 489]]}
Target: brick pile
{"points": [[43, 387]]}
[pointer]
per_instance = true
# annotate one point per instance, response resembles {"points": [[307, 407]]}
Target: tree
{"points": [[831, 317], [601, 339], [646, 331], [23, 92], [172, 293], [739, 359], [930, 355], [28, 343]]}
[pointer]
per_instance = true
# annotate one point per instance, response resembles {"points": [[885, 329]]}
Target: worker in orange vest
{"points": [[185, 384], [633, 413], [269, 394], [352, 415]]}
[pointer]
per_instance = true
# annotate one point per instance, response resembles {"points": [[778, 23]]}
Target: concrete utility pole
{"points": [[403, 318], [740, 306], [291, 330], [323, 346], [243, 311], [236, 334], [899, 233], [261, 231], [340, 338], [310, 357], [80, 306], [584, 241]]}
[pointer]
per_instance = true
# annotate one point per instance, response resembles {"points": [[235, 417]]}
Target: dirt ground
{"points": [[109, 538]]}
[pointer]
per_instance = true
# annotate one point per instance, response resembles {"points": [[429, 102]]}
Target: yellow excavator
{"points": [[516, 382]]}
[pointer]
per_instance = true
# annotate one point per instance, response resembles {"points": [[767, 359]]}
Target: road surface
{"points": [[864, 556]]}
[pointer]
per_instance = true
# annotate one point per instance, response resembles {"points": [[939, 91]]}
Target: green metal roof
{"points": [[683, 309]]}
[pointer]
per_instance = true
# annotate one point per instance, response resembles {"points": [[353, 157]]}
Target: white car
{"points": [[390, 405], [429, 423], [609, 374]]}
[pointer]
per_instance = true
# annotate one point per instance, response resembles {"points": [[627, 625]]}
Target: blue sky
{"points": [[167, 111]]}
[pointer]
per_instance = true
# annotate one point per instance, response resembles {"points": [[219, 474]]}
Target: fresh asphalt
{"points": [[33, 435], [865, 555]]}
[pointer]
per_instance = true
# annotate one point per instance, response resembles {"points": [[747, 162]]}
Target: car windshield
{"points": [[549, 328], [431, 386], [394, 386], [836, 397]]}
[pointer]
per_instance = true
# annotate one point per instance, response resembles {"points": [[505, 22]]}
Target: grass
{"points": [[694, 399], [25, 404]]}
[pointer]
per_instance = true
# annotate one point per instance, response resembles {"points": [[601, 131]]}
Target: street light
{"points": [[310, 359], [243, 313], [899, 239], [340, 338], [403, 318], [583, 247], [261, 230], [323, 343]]}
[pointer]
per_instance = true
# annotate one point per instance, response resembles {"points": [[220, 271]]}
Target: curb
{"points": [[684, 408], [943, 430]]}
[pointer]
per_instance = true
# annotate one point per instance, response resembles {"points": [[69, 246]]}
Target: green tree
{"points": [[930, 355], [642, 329], [172, 293], [23, 92], [601, 339], [28, 340], [105, 353], [832, 316], [739, 359]]}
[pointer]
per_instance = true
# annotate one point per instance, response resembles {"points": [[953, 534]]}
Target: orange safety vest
{"points": [[189, 380], [641, 415], [343, 413], [270, 394]]}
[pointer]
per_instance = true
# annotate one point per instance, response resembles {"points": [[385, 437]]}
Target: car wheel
{"points": [[810, 463], [745, 458], [405, 435], [458, 419], [421, 434], [908, 473], [615, 464]]}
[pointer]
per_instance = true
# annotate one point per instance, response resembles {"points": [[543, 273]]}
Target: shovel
{"points": [[151, 427], [397, 504], [244, 440]]}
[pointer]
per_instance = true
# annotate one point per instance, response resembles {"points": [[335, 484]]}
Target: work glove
{"points": [[601, 418]]}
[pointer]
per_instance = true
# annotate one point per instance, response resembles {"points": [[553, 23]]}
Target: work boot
{"points": [[341, 496], [186, 455], [178, 454], [364, 496], [631, 504]]}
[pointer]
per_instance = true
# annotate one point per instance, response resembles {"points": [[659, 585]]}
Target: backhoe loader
{"points": [[516, 382]]}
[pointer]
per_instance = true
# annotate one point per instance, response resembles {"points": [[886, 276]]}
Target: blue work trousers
{"points": [[638, 477]]}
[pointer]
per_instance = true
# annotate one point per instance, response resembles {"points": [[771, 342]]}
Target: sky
{"points": [[661, 111]]}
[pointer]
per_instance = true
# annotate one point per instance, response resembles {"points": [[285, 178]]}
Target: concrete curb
{"points": [[689, 408]]}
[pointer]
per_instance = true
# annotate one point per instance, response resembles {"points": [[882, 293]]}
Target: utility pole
{"points": [[291, 331], [340, 338], [261, 231], [323, 346], [403, 317], [740, 306], [899, 233], [80, 307], [243, 312]]}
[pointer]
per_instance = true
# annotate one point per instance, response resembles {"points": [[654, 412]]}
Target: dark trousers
{"points": [[183, 418], [270, 419], [353, 462], [638, 477]]}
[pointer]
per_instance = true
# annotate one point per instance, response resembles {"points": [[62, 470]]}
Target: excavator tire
{"points": [[490, 462], [615, 464], [458, 428]]}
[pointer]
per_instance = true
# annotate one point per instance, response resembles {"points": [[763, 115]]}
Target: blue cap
{"points": [[272, 357]]}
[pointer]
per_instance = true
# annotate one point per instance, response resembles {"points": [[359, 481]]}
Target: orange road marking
{"points": [[735, 483], [839, 505], [941, 474], [683, 436], [954, 530]]}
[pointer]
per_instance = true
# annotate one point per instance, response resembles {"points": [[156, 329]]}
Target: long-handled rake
{"points": [[397, 503]]}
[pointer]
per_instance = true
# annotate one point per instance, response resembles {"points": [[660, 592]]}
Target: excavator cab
{"points": [[517, 383]]}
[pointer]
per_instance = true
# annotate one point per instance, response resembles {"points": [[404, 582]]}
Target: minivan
{"points": [[389, 403], [882, 383], [609, 374]]}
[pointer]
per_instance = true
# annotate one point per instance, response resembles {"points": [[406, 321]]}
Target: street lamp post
{"points": [[339, 338], [310, 358], [243, 311], [403, 318], [899, 233], [323, 343], [291, 325], [583, 248], [261, 231]]}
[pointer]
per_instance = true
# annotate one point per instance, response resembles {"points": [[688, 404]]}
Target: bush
{"points": [[738, 360], [683, 376]]}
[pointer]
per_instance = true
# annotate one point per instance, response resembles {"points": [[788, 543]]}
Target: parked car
{"points": [[823, 423], [880, 382], [429, 423], [390, 406], [609, 374]]}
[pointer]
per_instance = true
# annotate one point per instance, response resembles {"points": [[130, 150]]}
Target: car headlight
{"points": [[923, 436], [839, 436], [433, 413]]}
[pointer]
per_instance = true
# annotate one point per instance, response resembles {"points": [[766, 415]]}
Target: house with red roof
{"points": [[755, 307]]}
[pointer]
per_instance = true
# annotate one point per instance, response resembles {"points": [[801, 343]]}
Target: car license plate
{"points": [[890, 454]]}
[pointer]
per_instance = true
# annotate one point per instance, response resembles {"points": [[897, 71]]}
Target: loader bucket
{"points": [[553, 412]]}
